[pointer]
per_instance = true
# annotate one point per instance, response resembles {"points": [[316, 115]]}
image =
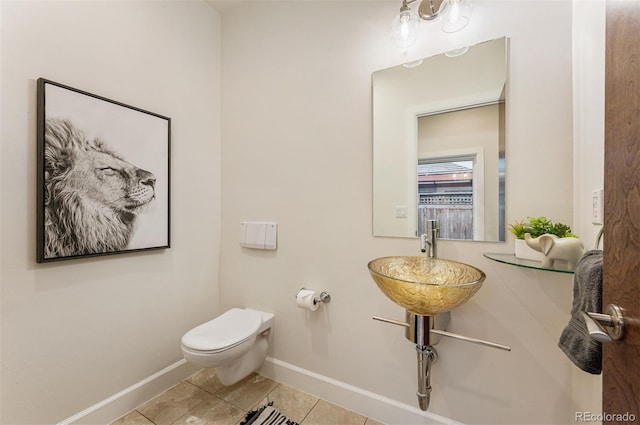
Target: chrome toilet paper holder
{"points": [[324, 297]]}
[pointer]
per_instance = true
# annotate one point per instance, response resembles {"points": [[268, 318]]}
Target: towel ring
{"points": [[599, 237]]}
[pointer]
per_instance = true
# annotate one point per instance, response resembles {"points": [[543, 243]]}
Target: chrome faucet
{"points": [[429, 238]]}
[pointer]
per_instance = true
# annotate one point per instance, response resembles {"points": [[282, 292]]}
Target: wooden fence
{"points": [[456, 221]]}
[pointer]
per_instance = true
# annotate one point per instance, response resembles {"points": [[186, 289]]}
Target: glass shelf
{"points": [[511, 259]]}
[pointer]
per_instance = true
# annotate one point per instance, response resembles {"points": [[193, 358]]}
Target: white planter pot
{"points": [[523, 251]]}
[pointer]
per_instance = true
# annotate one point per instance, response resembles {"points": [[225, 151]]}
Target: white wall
{"points": [[588, 158], [76, 332], [297, 150]]}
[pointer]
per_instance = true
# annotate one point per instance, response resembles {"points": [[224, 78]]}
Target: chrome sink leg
{"points": [[425, 332], [426, 356], [419, 328]]}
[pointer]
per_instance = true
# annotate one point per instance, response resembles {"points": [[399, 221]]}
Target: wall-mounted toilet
{"points": [[234, 343]]}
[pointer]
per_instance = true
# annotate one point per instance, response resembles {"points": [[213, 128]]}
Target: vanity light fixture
{"points": [[405, 26], [453, 15]]}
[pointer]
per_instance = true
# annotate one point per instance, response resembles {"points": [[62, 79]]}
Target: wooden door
{"points": [[621, 359]]}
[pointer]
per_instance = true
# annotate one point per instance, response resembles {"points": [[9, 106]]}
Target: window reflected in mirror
{"points": [[445, 192]]}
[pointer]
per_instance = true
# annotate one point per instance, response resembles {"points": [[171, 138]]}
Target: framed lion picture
{"points": [[103, 176]]}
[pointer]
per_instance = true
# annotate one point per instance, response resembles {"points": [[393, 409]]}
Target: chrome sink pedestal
{"points": [[425, 332], [426, 356], [418, 331]]}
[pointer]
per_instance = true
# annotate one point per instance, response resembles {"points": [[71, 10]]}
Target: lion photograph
{"points": [[103, 175], [92, 195]]}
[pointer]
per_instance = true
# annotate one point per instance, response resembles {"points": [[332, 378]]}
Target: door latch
{"points": [[605, 327]]}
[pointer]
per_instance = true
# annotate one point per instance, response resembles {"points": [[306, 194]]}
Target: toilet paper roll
{"points": [[306, 299]]}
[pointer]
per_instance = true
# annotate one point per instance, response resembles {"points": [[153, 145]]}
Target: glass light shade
{"points": [[404, 29], [455, 14]]}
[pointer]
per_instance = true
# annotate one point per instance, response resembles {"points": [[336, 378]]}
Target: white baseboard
{"points": [[367, 403], [112, 408]]}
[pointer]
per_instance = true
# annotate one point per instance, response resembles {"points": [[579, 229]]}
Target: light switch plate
{"points": [[271, 238], [597, 215], [401, 211]]}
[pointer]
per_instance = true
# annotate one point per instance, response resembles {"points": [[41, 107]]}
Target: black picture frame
{"points": [[103, 175]]}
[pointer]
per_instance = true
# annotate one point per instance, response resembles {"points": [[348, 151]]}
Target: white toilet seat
{"points": [[220, 357], [220, 350], [227, 331]]}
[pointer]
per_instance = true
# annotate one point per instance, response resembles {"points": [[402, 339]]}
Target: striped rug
{"points": [[267, 415]]}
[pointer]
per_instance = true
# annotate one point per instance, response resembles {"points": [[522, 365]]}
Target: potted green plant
{"points": [[536, 226]]}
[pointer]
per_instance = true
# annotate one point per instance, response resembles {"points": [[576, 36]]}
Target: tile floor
{"points": [[202, 400]]}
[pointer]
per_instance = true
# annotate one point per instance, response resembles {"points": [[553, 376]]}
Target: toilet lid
{"points": [[226, 330]]}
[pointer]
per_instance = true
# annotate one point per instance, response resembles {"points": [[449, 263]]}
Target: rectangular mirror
{"points": [[439, 144]]}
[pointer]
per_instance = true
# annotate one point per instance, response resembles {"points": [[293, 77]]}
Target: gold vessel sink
{"points": [[426, 286]]}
